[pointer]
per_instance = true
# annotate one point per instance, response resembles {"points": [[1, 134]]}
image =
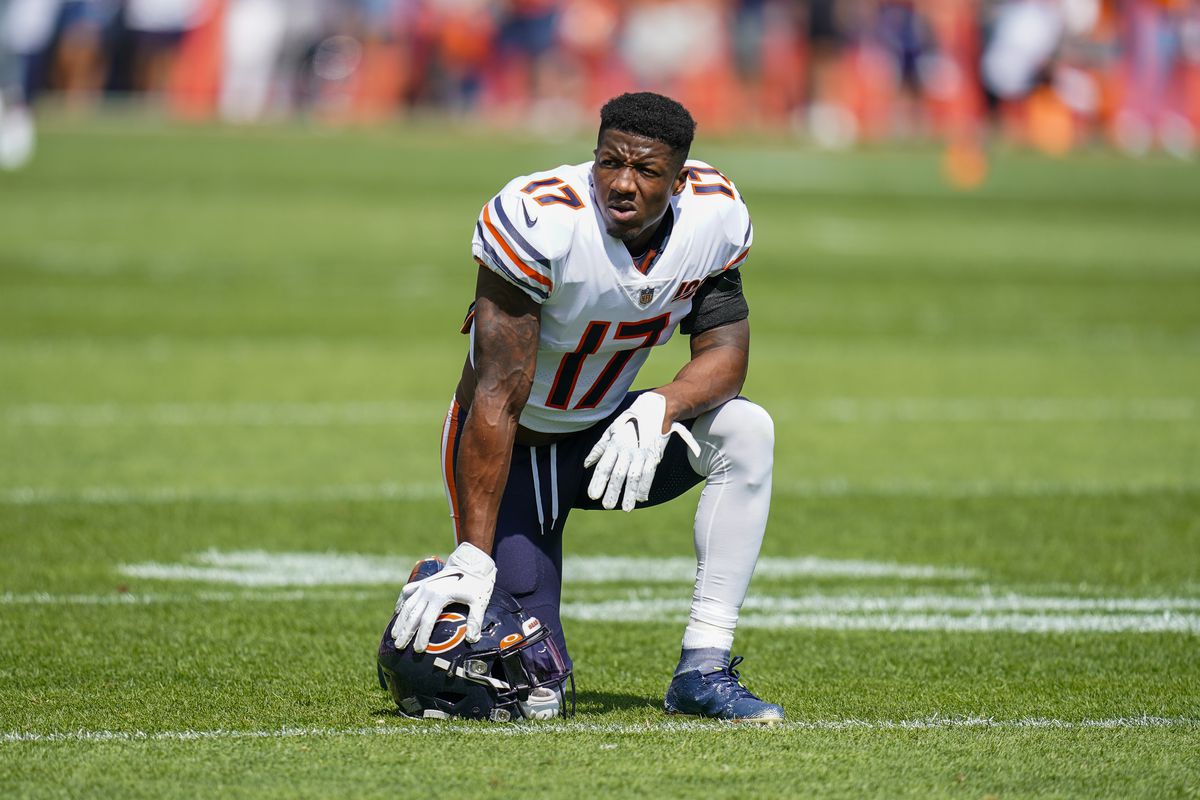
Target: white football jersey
{"points": [[600, 313]]}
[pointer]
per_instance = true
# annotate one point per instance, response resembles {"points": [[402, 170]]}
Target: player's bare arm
{"points": [[506, 334], [714, 375], [493, 391]]}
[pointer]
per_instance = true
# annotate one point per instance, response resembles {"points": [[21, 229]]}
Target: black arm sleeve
{"points": [[719, 301]]}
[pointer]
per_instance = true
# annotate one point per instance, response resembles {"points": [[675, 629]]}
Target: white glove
{"points": [[629, 451], [468, 577]]}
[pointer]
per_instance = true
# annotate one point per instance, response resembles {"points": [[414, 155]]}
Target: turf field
{"points": [[224, 361]]}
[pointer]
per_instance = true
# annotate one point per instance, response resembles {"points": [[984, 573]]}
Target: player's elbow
{"points": [[733, 371], [738, 378], [502, 394]]}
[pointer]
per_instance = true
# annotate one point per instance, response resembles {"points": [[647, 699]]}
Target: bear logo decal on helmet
{"points": [[457, 634]]}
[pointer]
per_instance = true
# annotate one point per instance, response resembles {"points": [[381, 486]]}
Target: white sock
{"points": [[736, 454]]}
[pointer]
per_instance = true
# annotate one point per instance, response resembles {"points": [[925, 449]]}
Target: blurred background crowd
{"points": [[1051, 74]]}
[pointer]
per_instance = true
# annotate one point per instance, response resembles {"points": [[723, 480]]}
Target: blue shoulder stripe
{"points": [[496, 261], [516, 235]]}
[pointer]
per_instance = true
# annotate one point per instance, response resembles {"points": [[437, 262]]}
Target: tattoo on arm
{"points": [[507, 325]]}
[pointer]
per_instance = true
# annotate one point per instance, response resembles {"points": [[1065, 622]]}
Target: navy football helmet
{"points": [[513, 672]]}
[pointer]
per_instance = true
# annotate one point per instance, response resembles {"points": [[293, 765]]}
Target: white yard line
{"points": [[962, 615], [1166, 622], [456, 729], [650, 608], [257, 568], [642, 610], [1037, 615]]}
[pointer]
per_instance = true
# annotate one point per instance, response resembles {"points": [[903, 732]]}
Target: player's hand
{"points": [[629, 451], [468, 577]]}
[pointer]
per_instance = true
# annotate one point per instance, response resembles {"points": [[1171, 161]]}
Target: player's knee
{"points": [[747, 426], [754, 441], [746, 435]]}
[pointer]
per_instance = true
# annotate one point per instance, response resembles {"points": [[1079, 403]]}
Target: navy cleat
{"points": [[720, 695]]}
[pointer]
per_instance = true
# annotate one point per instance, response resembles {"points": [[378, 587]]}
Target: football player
{"points": [[582, 269]]}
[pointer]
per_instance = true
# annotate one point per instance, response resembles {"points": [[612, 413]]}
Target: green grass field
{"points": [[224, 360]]}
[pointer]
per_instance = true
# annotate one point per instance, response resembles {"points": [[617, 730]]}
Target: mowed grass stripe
{"points": [[832, 409], [122, 598], [441, 728], [98, 415], [119, 495], [424, 492]]}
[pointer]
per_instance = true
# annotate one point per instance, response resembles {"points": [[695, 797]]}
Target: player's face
{"points": [[634, 179]]}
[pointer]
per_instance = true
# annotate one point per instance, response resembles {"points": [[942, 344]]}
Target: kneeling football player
{"points": [[582, 269]]}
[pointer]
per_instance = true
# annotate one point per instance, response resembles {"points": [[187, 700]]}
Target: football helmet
{"points": [[513, 672]]}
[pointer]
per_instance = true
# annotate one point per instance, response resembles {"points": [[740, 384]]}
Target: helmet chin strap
{"points": [[465, 672]]}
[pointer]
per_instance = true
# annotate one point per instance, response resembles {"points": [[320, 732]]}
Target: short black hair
{"points": [[653, 116]]}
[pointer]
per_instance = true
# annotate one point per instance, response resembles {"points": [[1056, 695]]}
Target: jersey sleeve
{"points": [[728, 232], [719, 301], [738, 232], [520, 244]]}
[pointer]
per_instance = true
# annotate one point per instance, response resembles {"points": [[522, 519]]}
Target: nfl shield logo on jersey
{"points": [[646, 296]]}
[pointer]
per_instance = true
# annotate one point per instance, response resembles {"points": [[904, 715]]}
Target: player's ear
{"points": [[680, 180]]}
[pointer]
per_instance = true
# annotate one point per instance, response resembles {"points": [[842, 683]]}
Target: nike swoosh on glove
{"points": [[629, 451], [468, 577]]}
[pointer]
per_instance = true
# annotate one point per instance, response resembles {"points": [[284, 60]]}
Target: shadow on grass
{"points": [[388, 713], [586, 702], [589, 701]]}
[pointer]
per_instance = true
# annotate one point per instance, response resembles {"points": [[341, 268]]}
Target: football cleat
{"points": [[719, 694]]}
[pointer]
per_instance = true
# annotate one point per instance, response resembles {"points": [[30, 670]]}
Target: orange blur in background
{"points": [[1047, 74]]}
